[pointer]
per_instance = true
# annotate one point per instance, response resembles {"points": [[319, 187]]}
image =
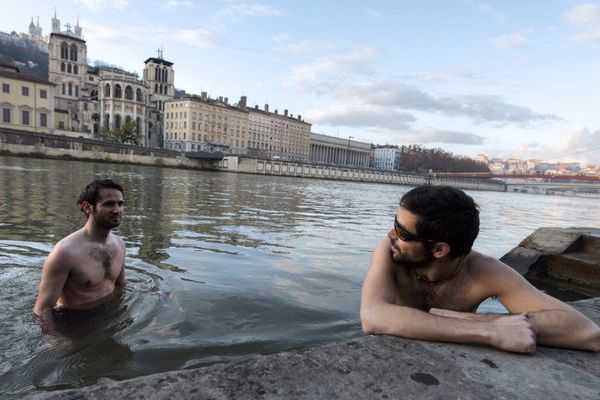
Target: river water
{"points": [[220, 266]]}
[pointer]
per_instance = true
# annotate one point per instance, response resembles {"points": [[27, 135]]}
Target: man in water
{"points": [[425, 283], [82, 270]]}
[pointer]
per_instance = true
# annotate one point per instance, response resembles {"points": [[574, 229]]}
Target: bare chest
{"points": [[457, 294], [96, 265]]}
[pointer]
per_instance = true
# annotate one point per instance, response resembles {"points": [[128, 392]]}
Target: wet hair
{"points": [[92, 191], [445, 214]]}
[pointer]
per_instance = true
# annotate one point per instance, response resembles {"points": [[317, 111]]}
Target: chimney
{"points": [[203, 95], [243, 100], [276, 112], [226, 100], [285, 113], [292, 116], [256, 106], [220, 98], [299, 117], [266, 107]]}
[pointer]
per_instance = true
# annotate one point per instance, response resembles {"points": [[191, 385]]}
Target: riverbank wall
{"points": [[240, 164], [40, 145]]}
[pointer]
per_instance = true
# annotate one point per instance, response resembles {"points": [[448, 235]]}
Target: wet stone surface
{"points": [[376, 368]]}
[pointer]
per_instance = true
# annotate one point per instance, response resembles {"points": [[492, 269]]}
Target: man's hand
{"points": [[513, 333]]}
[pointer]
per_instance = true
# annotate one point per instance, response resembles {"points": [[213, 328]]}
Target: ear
{"points": [[86, 208], [440, 249]]}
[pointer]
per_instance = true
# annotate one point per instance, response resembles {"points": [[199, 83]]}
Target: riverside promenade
{"points": [[21, 143]]}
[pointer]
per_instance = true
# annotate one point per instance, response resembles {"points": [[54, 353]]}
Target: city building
{"points": [[271, 134], [200, 123], [160, 78], [342, 151], [26, 102], [387, 157]]}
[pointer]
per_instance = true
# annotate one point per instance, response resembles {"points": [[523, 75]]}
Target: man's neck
{"points": [[437, 271], [95, 233]]}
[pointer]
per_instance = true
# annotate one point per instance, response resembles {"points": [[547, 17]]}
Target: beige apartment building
{"points": [[271, 134], [26, 102], [199, 123]]}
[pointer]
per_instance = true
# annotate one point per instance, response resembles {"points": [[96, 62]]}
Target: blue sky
{"points": [[505, 78]]}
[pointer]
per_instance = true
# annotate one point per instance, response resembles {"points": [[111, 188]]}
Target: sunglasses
{"points": [[405, 235]]}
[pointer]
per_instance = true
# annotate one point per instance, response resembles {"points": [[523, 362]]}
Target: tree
{"points": [[126, 133]]}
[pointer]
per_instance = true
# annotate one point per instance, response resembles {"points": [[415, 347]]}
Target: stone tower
{"points": [[159, 76]]}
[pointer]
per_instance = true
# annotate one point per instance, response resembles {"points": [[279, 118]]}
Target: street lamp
{"points": [[348, 150]]}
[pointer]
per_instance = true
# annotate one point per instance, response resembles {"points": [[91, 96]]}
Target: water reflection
{"points": [[219, 266]]}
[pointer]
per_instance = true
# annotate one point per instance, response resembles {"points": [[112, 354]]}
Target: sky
{"points": [[510, 79]]}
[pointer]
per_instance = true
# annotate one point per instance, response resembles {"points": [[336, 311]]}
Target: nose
{"points": [[392, 234]]}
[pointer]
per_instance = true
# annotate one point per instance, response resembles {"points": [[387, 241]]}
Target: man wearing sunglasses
{"points": [[425, 283]]}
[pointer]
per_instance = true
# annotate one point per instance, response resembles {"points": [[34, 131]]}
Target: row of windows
{"points": [[70, 90], [160, 89], [68, 53], [161, 74], [118, 92], [25, 117], [24, 90], [69, 68]]}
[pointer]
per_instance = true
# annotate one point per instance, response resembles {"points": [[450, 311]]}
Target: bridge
{"points": [[204, 155]]}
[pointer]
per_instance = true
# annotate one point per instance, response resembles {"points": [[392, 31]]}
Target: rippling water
{"points": [[219, 266]]}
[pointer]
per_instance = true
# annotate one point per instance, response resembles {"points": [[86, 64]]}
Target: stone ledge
{"points": [[375, 367]]}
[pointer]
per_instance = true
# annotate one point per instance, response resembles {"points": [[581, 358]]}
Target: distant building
{"points": [[277, 135], [26, 102], [387, 157], [160, 78], [341, 151], [199, 123]]}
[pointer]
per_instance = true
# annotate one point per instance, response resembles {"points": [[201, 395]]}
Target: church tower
{"points": [[159, 76]]}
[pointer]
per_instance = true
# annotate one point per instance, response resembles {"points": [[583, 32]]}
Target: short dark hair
{"points": [[92, 191], [445, 214]]}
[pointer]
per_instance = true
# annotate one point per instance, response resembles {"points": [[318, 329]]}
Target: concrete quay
{"points": [[375, 367]]}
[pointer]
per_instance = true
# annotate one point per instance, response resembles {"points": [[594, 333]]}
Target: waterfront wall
{"points": [[17, 142], [335, 172]]}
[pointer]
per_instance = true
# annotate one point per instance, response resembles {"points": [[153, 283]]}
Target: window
{"points": [[43, 94], [128, 93], [5, 88], [25, 117], [118, 91], [107, 90], [6, 115], [73, 52], [75, 70], [25, 91], [43, 119], [63, 89], [70, 89], [62, 67], [61, 125], [64, 51], [69, 68]]}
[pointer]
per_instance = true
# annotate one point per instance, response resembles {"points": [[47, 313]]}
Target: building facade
{"points": [[159, 76], [387, 157], [271, 134], [334, 150], [199, 123], [26, 102]]}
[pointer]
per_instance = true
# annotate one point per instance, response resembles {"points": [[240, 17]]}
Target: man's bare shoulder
{"points": [[68, 249]]}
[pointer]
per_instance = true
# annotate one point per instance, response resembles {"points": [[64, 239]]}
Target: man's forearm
{"points": [[566, 328], [510, 333], [45, 318]]}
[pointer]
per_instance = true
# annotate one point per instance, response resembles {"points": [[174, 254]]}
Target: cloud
{"points": [[442, 136], [99, 4], [511, 40], [199, 37], [362, 116], [442, 76], [252, 10], [487, 9], [176, 4], [303, 76], [587, 17], [373, 13], [394, 94], [581, 143]]}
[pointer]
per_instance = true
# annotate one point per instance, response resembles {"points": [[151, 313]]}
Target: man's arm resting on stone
{"points": [[54, 276], [380, 315], [557, 324]]}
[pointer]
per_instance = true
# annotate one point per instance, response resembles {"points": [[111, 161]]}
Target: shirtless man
{"points": [[425, 283], [82, 270]]}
